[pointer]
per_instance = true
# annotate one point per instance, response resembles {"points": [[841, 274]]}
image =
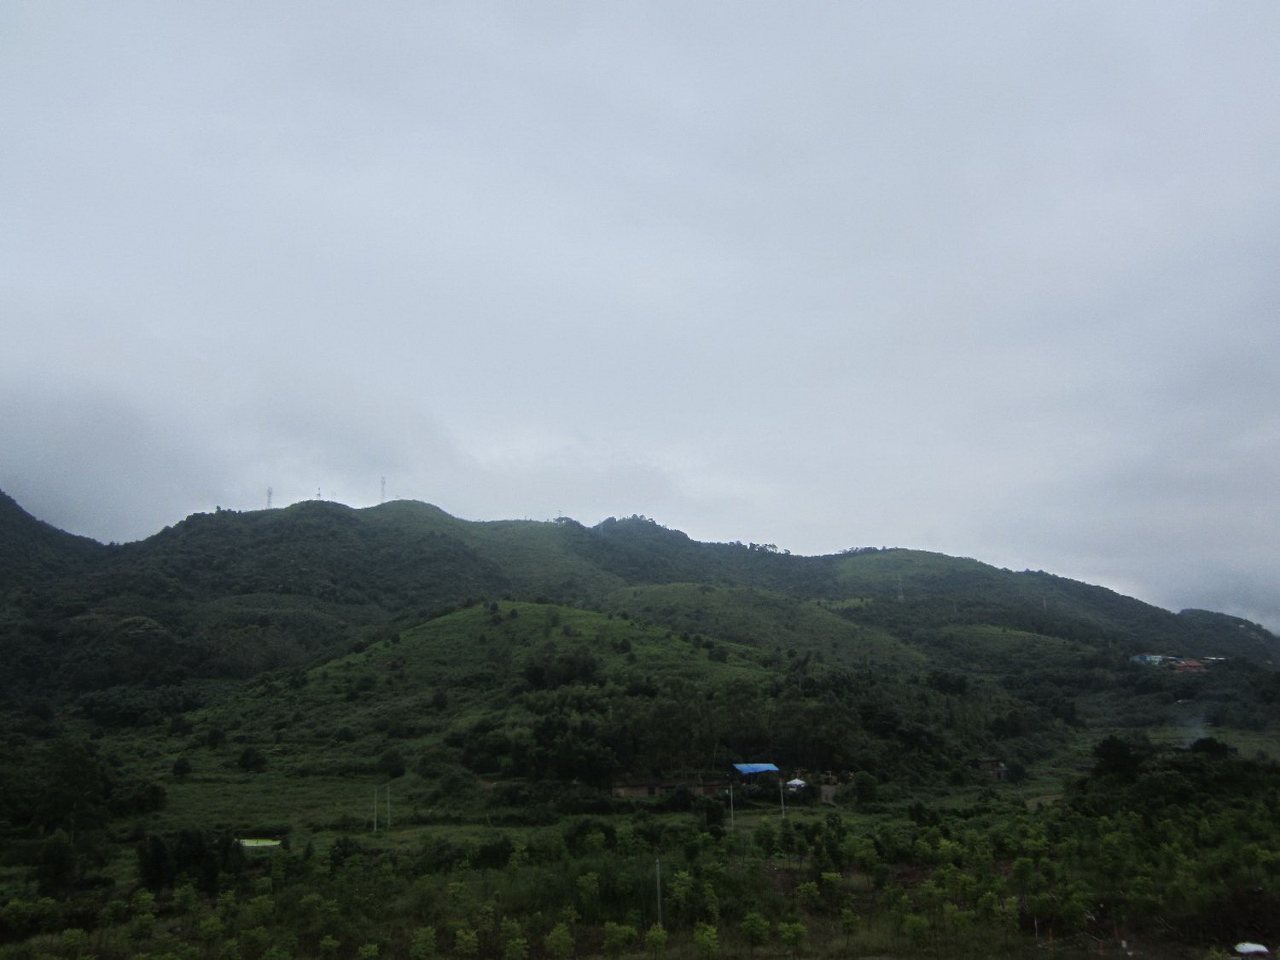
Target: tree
{"points": [[465, 942], [155, 862], [755, 929], [56, 864], [73, 787], [392, 763], [558, 944], [792, 935], [74, 940], [706, 940], [864, 787], [1115, 757], [589, 893], [422, 946], [655, 940], [616, 937], [849, 924]]}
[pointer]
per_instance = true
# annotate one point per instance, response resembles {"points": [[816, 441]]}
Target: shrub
{"points": [[755, 928], [559, 942], [655, 940], [422, 945], [706, 940], [793, 935], [617, 936]]}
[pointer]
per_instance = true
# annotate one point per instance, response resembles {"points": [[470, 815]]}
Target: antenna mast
{"points": [[269, 493]]}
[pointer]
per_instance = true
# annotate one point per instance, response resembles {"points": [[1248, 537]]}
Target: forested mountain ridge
{"points": [[233, 593], [557, 705]]}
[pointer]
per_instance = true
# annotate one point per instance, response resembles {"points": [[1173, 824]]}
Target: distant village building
{"points": [[993, 767], [1181, 664]]}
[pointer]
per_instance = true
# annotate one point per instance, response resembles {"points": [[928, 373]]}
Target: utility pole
{"points": [[657, 872], [377, 802]]}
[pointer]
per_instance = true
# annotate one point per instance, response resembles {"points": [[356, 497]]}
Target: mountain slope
{"points": [[462, 709], [233, 594], [33, 552]]}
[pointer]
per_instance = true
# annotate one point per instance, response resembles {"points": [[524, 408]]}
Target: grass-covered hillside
{"points": [[233, 594], [513, 741], [920, 661]]}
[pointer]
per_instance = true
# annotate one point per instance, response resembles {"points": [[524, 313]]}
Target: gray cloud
{"points": [[993, 281]]}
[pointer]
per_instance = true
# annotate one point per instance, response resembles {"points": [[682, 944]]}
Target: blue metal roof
{"points": [[746, 768]]}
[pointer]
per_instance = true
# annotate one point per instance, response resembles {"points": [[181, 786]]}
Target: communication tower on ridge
{"points": [[269, 493]]}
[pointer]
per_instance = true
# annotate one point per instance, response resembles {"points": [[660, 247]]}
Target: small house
{"points": [[992, 767]]}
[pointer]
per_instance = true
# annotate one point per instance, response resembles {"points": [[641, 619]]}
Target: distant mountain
{"points": [[233, 594]]}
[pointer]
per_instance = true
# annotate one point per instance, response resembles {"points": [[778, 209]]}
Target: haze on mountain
{"points": [[986, 281]]}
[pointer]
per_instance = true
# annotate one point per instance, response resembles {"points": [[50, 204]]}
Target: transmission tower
{"points": [[269, 493]]}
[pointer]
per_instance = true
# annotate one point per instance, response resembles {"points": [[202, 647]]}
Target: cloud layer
{"points": [[994, 281]]}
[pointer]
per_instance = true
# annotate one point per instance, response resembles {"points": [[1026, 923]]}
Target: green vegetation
{"points": [[500, 740]]}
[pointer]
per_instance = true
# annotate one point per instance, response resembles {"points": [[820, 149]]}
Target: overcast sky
{"points": [[998, 280]]}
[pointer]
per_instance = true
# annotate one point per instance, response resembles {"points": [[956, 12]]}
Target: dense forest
{"points": [[516, 740]]}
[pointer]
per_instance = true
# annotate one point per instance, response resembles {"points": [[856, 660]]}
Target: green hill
{"points": [[233, 594], [33, 552], [502, 694], [533, 714]]}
